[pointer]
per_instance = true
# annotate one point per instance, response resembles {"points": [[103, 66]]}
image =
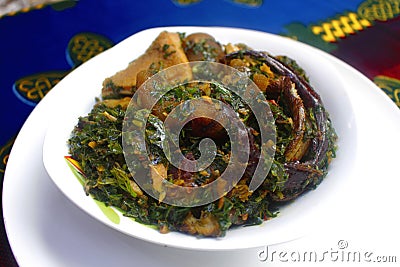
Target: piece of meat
{"points": [[202, 47], [206, 225]]}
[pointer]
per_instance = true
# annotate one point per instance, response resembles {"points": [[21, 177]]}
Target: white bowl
{"points": [[74, 96]]}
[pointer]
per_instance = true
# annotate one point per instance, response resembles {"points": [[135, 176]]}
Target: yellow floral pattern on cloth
{"points": [[325, 34], [81, 47], [31, 89], [4, 153], [84, 46], [380, 10], [390, 86], [340, 27], [13, 8]]}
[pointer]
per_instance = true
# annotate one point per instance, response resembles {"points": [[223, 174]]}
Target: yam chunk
{"points": [[165, 51]]}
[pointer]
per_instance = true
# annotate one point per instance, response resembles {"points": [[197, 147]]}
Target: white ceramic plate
{"points": [[74, 96], [45, 229]]}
